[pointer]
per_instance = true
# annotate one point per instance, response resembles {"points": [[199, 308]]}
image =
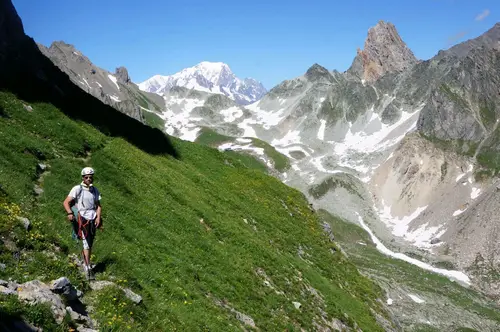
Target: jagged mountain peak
{"points": [[61, 43], [213, 77], [384, 51], [316, 73]]}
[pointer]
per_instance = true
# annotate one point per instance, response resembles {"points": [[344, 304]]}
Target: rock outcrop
{"points": [[122, 76], [36, 291], [384, 52]]}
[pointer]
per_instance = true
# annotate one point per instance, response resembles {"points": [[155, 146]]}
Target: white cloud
{"points": [[483, 15]]}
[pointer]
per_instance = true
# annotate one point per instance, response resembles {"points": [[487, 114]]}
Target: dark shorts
{"points": [[85, 231]]}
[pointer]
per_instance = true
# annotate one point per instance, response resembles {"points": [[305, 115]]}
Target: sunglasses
{"points": [[88, 177]]}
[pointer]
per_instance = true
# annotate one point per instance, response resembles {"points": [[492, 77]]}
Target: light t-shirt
{"points": [[86, 201]]}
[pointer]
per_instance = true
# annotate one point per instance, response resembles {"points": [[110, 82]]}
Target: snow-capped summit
{"points": [[213, 77]]}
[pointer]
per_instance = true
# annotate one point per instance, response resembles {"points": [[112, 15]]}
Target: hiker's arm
{"points": [[67, 207], [98, 218]]}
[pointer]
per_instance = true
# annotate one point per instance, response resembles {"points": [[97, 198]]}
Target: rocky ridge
{"points": [[114, 89]]}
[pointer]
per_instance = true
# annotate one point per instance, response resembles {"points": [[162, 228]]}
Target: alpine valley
{"points": [[398, 157]]}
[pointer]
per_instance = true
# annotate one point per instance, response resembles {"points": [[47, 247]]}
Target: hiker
{"points": [[87, 217]]}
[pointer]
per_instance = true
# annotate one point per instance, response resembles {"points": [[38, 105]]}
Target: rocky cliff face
{"points": [[114, 89], [384, 52]]}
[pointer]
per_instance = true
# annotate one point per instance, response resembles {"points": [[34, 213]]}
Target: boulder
{"points": [[98, 285], [35, 291], [435, 241], [6, 291], [26, 222], [63, 286], [136, 298]]}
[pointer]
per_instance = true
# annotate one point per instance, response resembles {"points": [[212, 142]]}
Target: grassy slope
{"points": [[211, 138], [153, 120], [393, 272], [181, 232]]}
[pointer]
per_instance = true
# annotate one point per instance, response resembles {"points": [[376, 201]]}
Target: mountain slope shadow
{"points": [[29, 74]]}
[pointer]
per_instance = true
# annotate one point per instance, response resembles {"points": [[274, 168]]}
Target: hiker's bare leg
{"points": [[86, 252], [86, 256]]}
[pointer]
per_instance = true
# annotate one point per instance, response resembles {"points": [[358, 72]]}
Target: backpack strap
{"points": [[92, 190], [79, 194]]}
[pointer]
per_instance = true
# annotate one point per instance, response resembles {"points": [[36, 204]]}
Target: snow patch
{"points": [[459, 177], [458, 212], [319, 166], [321, 131], [115, 98], [259, 151], [233, 146], [177, 117], [87, 83], [475, 193], [243, 140], [360, 141], [231, 114], [422, 236], [286, 151], [399, 226], [248, 131], [292, 137], [190, 135], [265, 118], [113, 79], [456, 275], [416, 298], [373, 136], [389, 301], [147, 110]]}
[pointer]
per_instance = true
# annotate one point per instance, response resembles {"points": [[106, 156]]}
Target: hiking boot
{"points": [[89, 273]]}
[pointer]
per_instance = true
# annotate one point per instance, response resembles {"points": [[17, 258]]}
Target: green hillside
{"points": [[201, 235]]}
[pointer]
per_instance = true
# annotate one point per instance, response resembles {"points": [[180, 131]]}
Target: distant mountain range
{"points": [[212, 77]]}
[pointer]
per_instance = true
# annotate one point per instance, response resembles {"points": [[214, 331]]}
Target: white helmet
{"points": [[87, 171]]}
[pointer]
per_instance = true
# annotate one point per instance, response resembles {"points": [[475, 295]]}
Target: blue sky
{"points": [[268, 40]]}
